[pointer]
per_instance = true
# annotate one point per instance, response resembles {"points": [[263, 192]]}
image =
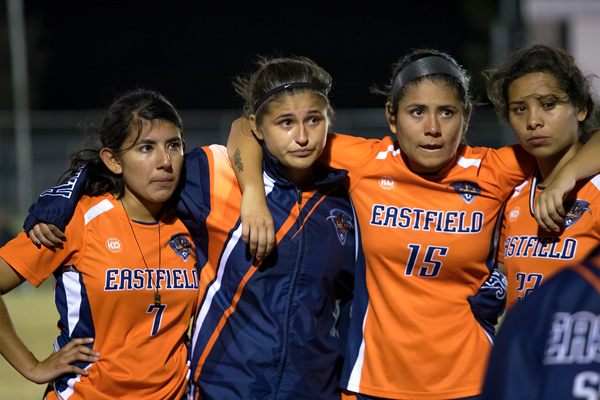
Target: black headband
{"points": [[426, 66], [282, 88]]}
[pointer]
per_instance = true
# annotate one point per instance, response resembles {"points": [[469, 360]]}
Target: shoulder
{"points": [[90, 208]]}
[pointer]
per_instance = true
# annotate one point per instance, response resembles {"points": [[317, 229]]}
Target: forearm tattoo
{"points": [[237, 160]]}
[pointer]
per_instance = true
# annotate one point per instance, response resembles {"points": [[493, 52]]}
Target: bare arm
{"points": [[548, 205], [245, 154], [19, 356]]}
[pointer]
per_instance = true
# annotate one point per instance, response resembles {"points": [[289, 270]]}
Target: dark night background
{"points": [[82, 53]]}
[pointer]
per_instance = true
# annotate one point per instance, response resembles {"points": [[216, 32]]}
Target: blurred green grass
{"points": [[34, 316]]}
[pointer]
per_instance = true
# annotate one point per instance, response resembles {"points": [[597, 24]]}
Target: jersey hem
{"points": [[411, 395]]}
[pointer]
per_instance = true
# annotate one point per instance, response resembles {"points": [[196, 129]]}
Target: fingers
{"points": [[63, 361], [262, 243], [245, 232], [46, 234], [34, 238], [58, 234], [546, 214], [253, 238]]}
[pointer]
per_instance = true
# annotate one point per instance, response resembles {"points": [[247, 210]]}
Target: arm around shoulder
{"points": [[245, 154]]}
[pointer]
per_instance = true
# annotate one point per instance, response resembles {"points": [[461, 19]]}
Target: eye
{"points": [[548, 105], [174, 145], [518, 110], [417, 112], [286, 123], [314, 120], [145, 148], [447, 113]]}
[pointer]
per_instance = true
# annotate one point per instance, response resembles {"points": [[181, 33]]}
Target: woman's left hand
{"points": [[549, 210]]}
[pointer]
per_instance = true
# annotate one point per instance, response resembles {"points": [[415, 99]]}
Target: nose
{"points": [[432, 126], [164, 159], [301, 137], [534, 119]]}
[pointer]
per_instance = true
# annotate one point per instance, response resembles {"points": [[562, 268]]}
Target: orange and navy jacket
{"points": [[424, 308], [104, 290], [532, 255], [547, 347], [275, 330]]}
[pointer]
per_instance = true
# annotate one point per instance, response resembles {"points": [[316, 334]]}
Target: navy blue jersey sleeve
{"points": [[192, 199], [489, 302], [57, 204]]}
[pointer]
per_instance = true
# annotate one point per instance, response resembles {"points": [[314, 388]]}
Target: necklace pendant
{"points": [[157, 299]]}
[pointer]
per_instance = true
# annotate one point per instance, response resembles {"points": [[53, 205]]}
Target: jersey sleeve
{"points": [[57, 204], [508, 167], [35, 264], [193, 201], [353, 154], [502, 240]]}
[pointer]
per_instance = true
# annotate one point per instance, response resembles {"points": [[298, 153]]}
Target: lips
{"points": [[163, 182], [431, 147], [537, 140], [302, 152]]}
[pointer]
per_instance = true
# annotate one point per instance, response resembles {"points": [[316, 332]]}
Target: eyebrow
{"points": [[425, 106], [538, 97], [150, 141], [293, 115]]}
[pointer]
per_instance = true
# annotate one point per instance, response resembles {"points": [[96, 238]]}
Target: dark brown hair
{"points": [[550, 60], [462, 90], [128, 114], [279, 71]]}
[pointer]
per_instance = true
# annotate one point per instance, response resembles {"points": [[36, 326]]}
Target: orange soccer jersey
{"points": [[532, 255], [429, 244], [104, 290]]}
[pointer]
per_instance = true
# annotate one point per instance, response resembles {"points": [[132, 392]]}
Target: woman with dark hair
{"points": [[273, 328], [425, 306], [126, 280], [547, 100]]}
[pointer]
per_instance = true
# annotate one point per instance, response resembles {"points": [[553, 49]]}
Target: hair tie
{"points": [[281, 88], [426, 66]]}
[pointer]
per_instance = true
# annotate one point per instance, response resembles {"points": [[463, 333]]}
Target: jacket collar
{"points": [[272, 167]]}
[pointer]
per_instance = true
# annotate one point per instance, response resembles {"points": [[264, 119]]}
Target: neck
{"points": [[550, 166], [139, 209], [302, 178]]}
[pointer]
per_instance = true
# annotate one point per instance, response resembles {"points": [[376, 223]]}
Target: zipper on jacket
{"points": [[296, 276], [298, 195]]}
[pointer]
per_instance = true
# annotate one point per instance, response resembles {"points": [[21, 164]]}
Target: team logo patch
{"points": [[342, 223], [467, 190], [114, 245], [514, 214], [181, 246], [575, 209], [387, 183]]}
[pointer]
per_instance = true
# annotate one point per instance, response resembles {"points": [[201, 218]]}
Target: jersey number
{"points": [[426, 271], [522, 279], [585, 385], [157, 318]]}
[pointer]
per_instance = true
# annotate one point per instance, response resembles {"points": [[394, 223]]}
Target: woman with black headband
{"points": [[276, 328], [425, 307]]}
